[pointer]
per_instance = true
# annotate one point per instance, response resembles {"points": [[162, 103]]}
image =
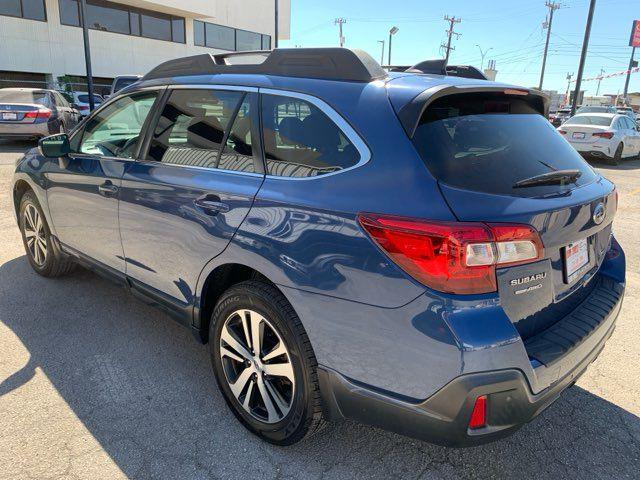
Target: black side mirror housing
{"points": [[55, 146]]}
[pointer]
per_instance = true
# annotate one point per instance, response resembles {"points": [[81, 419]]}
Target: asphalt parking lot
{"points": [[95, 384]]}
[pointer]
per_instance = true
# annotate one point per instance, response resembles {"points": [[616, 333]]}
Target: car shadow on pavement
{"points": [[16, 146], [143, 388], [625, 164]]}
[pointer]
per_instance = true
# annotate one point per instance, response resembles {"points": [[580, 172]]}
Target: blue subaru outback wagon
{"points": [[415, 250]]}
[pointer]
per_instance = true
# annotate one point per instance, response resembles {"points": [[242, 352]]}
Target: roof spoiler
{"points": [[439, 66], [411, 113], [321, 63]]}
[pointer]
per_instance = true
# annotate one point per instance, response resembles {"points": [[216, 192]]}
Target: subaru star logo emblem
{"points": [[599, 213]]}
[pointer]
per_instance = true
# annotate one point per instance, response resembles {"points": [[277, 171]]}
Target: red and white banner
{"points": [[634, 41], [610, 75]]}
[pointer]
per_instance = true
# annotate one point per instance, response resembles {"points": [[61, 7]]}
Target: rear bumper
{"points": [[25, 130], [443, 418]]}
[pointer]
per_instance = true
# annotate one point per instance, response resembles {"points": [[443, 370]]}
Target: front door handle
{"points": [[107, 189], [211, 205]]}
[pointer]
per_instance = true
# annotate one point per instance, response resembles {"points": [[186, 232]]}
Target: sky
{"points": [[511, 29]]}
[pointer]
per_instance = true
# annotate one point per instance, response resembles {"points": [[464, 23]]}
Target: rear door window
{"points": [[489, 143], [300, 140]]}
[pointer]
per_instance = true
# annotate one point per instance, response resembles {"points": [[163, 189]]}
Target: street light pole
{"points": [[382, 55], [583, 57], [87, 53], [482, 55], [392, 32], [626, 83], [275, 33]]}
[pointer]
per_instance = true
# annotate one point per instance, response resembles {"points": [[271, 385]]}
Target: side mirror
{"points": [[55, 146]]}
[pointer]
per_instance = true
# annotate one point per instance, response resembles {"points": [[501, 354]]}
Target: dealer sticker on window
{"points": [[576, 258]]}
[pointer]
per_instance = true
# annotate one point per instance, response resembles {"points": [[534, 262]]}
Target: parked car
{"points": [[627, 111], [562, 115], [34, 113], [596, 109], [123, 81], [608, 136], [423, 253], [81, 100]]}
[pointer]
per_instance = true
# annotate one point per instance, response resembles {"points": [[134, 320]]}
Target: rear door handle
{"points": [[107, 189], [211, 206]]}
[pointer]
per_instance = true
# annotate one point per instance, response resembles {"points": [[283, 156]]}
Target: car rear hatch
{"points": [[586, 129], [19, 112], [498, 160]]}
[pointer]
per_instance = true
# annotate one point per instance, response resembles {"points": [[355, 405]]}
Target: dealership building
{"points": [[42, 44]]}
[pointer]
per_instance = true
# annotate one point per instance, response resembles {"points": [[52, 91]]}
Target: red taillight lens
{"points": [[83, 108], [479, 413], [562, 132], [603, 134], [41, 113], [453, 257]]}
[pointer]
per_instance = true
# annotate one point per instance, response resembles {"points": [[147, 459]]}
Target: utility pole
{"points": [[87, 53], [626, 82], [340, 22], [552, 6], [450, 33], [567, 98], [382, 55], [599, 80], [583, 56], [277, 20]]}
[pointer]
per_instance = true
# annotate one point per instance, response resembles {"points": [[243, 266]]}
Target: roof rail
{"points": [[322, 63]]}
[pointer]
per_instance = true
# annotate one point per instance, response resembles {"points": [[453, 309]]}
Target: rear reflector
{"points": [[479, 413], [453, 257], [603, 134], [41, 113]]}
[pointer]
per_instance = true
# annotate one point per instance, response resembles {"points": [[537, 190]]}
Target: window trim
{"points": [[21, 16], [344, 126], [255, 131]]}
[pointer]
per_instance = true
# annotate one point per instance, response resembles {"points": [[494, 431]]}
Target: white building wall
{"points": [[52, 48]]}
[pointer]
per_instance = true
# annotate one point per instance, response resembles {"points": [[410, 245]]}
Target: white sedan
{"points": [[609, 136]]}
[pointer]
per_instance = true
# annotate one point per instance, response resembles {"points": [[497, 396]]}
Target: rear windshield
{"points": [[85, 98], [595, 109], [488, 144], [589, 120], [24, 97]]}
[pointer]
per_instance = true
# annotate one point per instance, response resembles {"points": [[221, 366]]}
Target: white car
{"points": [[81, 100], [609, 136]]}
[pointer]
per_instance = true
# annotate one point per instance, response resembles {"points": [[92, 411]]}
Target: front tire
{"points": [[264, 363], [43, 256]]}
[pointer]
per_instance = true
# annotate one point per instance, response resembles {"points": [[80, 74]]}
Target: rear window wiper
{"points": [[550, 178]]}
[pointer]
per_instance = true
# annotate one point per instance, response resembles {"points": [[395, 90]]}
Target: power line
{"points": [[450, 33]]}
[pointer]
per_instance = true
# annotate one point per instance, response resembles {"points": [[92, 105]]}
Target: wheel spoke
{"points": [[256, 332], [28, 215], [36, 253], [280, 402], [230, 340], [38, 223], [247, 397], [30, 234], [240, 382], [279, 349], [272, 415], [225, 352], [244, 317], [279, 370]]}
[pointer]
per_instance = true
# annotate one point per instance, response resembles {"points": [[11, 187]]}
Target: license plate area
{"points": [[578, 135], [576, 259], [9, 116]]}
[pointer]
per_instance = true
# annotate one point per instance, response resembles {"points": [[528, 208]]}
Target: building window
{"points": [[227, 38], [111, 17], [30, 9], [248, 40]]}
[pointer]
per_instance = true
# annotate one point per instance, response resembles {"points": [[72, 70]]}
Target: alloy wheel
{"points": [[35, 234], [257, 366]]}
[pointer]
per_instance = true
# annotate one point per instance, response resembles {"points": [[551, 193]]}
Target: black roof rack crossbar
{"points": [[439, 66], [322, 63]]}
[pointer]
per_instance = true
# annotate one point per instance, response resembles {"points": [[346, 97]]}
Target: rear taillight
{"points": [[84, 108], [479, 413], [603, 134], [562, 132], [41, 113], [453, 257]]}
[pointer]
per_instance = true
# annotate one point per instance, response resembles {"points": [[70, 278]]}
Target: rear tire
{"points": [[244, 370], [44, 256], [617, 157]]}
